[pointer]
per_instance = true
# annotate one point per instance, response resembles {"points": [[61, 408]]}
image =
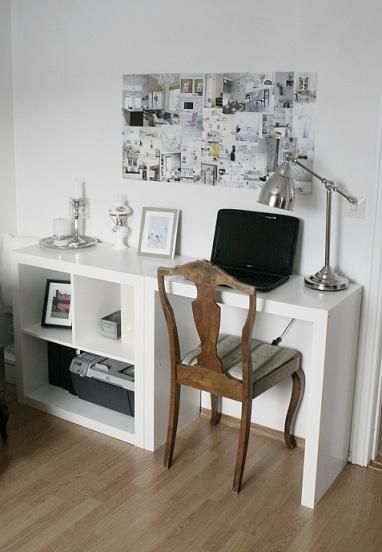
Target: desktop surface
{"points": [[128, 262]]}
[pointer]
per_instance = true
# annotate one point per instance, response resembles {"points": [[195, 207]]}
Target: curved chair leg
{"points": [[295, 400], [215, 409], [172, 424], [245, 423]]}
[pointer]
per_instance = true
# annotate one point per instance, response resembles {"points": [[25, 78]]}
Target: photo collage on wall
{"points": [[230, 129]]}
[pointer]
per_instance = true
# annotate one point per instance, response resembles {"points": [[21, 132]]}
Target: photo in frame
{"points": [[158, 232], [57, 309]]}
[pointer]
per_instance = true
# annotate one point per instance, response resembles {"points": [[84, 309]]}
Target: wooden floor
{"points": [[65, 488]]}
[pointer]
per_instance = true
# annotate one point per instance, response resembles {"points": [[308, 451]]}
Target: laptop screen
{"points": [[260, 241]]}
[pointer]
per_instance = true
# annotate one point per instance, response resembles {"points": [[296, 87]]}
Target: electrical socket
{"points": [[356, 210]]}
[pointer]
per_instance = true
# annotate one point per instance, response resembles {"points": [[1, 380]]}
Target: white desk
{"points": [[329, 391]]}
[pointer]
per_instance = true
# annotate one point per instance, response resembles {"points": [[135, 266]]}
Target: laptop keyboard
{"points": [[255, 277]]}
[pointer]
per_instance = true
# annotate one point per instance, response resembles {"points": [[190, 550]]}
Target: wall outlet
{"points": [[356, 210]]}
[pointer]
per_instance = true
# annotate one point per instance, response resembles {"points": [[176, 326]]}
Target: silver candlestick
{"points": [[74, 241], [77, 241]]}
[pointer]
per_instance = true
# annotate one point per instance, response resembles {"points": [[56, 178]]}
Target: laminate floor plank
{"points": [[68, 489]]}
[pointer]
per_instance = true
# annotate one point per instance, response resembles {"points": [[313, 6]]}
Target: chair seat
{"points": [[265, 357]]}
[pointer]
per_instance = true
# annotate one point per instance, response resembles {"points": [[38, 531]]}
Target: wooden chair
{"points": [[240, 368]]}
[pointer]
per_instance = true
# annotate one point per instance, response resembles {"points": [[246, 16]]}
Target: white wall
{"points": [[7, 174], [69, 58]]}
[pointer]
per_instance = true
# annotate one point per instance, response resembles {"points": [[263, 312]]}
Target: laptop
{"points": [[257, 248]]}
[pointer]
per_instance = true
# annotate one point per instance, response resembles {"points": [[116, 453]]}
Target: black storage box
{"points": [[59, 359], [104, 394]]}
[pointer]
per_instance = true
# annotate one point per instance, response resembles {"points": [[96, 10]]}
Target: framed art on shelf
{"points": [[158, 232], [57, 309]]}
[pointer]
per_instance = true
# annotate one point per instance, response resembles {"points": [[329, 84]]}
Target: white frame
{"points": [[167, 249]]}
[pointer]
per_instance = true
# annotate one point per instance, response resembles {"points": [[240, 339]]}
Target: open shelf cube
{"points": [[32, 289], [95, 299]]}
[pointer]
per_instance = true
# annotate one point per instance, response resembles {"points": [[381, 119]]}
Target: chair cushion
{"points": [[265, 357]]}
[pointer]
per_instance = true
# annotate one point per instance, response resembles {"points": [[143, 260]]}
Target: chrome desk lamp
{"points": [[278, 191]]}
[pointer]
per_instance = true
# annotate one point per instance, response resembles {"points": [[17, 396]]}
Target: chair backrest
{"points": [[207, 313]]}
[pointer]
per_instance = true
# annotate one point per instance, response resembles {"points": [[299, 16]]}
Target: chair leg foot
{"points": [[172, 424], [246, 409], [298, 378], [215, 409]]}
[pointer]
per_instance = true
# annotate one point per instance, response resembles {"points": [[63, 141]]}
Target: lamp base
{"points": [[326, 280]]}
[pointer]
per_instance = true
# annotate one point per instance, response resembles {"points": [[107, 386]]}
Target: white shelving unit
{"points": [[94, 295], [103, 281]]}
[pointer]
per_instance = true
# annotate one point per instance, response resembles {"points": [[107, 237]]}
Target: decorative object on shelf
{"points": [[278, 192], [118, 214], [57, 309], [158, 232], [61, 232], [75, 240], [110, 325]]}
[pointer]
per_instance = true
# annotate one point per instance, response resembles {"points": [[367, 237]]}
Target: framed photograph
{"points": [[57, 310], [158, 232], [186, 86]]}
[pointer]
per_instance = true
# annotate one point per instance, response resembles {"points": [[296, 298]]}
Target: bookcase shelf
{"points": [[95, 294], [103, 281]]}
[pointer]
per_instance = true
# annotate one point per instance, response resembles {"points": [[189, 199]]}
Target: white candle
{"points": [[78, 189]]}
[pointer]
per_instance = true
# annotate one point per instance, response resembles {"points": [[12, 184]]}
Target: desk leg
{"points": [[157, 374], [330, 389], [313, 391]]}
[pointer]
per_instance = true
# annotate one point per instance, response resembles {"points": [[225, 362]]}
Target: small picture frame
{"points": [[158, 232], [57, 309]]}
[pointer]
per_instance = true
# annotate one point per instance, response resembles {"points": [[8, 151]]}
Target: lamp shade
{"points": [[278, 191]]}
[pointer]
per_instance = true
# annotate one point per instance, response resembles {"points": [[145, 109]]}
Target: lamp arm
{"points": [[329, 184]]}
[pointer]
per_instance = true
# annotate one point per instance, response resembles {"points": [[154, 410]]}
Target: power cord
{"points": [[277, 340]]}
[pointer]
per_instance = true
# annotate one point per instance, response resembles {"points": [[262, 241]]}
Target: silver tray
{"points": [[85, 241]]}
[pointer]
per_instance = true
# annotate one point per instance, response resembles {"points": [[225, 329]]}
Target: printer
{"points": [[104, 381]]}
